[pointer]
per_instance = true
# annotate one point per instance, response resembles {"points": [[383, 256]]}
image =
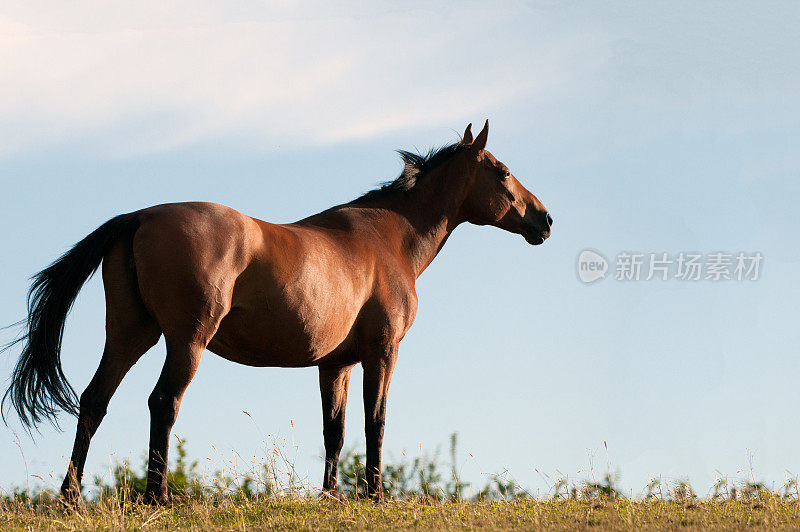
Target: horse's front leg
{"points": [[333, 386], [378, 370]]}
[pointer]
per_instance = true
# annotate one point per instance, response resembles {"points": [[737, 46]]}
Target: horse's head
{"points": [[495, 197]]}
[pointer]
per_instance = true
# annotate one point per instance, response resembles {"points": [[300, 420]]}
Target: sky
{"points": [[643, 127]]}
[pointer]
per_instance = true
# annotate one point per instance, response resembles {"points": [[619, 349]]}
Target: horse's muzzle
{"points": [[535, 236], [537, 229]]}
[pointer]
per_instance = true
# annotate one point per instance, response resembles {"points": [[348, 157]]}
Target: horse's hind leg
{"points": [[186, 340], [130, 332], [93, 404], [187, 333]]}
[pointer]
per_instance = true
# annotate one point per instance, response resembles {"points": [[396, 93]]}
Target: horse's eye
{"points": [[505, 174]]}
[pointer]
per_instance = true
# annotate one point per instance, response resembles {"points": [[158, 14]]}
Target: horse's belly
{"points": [[304, 331], [296, 307]]}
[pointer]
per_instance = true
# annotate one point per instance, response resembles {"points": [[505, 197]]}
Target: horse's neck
{"points": [[426, 217]]}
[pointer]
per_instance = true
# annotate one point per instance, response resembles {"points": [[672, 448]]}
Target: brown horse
{"points": [[332, 290]]}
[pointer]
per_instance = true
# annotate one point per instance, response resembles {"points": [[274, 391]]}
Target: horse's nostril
{"points": [[549, 219]]}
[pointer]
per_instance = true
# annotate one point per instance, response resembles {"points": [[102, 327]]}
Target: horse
{"points": [[331, 290]]}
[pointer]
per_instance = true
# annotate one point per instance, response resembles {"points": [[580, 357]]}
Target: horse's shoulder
{"points": [[394, 300]]}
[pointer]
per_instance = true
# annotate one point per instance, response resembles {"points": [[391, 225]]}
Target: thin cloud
{"points": [[124, 84]]}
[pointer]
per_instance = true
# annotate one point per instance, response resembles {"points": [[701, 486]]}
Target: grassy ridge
{"points": [[291, 514], [422, 494]]}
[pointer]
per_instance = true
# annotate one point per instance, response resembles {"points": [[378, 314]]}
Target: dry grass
{"points": [[270, 495], [315, 514]]}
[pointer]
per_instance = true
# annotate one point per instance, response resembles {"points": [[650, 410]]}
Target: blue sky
{"points": [[643, 127]]}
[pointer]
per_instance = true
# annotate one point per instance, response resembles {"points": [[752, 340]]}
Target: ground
{"points": [[773, 513]]}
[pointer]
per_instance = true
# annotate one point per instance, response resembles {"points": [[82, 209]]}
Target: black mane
{"points": [[415, 167]]}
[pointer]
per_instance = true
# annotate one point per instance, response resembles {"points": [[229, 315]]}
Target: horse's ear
{"points": [[480, 140], [467, 138]]}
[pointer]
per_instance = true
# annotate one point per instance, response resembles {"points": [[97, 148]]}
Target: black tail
{"points": [[39, 387]]}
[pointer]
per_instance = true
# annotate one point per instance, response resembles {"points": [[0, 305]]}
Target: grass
{"points": [[422, 494], [774, 513]]}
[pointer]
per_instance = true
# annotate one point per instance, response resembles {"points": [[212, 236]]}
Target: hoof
{"points": [[156, 499], [376, 497], [70, 497], [333, 495]]}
